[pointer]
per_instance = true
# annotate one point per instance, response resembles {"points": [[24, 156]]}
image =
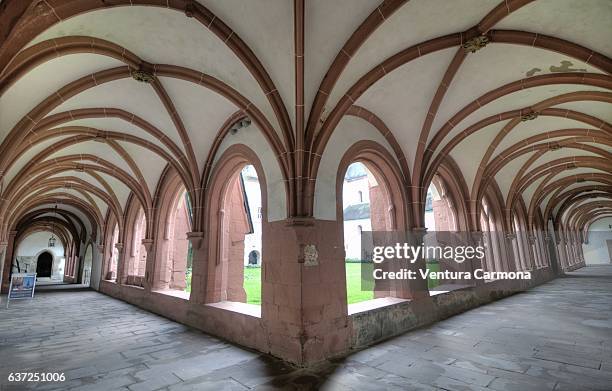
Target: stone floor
{"points": [[554, 337]]}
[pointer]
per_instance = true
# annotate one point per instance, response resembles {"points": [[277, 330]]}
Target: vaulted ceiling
{"points": [[99, 97]]}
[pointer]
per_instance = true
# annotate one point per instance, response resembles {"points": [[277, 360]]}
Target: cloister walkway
{"points": [[557, 336]]}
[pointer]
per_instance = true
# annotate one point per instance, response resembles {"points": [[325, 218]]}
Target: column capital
{"points": [[148, 244], [119, 246], [300, 221], [196, 238], [510, 236]]}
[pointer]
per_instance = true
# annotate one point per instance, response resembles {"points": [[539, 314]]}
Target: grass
{"points": [[355, 293], [252, 284]]}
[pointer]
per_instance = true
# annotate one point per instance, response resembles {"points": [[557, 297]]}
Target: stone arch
{"points": [[384, 168], [491, 215], [454, 191], [44, 264], [225, 225], [173, 222], [87, 265], [134, 265], [113, 247], [389, 206]]}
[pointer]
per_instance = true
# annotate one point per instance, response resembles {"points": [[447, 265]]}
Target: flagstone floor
{"points": [[555, 337]]}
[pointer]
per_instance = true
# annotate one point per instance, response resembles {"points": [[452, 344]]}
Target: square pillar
{"points": [[304, 290]]}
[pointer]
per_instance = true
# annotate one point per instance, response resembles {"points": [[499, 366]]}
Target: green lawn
{"points": [[355, 294], [252, 284]]}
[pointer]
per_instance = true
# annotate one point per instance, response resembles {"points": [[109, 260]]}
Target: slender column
{"points": [[97, 274], [514, 259], [477, 240], [417, 288], [199, 267], [534, 250], [120, 257], [561, 252], [150, 247]]}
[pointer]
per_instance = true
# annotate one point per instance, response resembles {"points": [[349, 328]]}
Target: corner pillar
{"points": [[304, 302]]}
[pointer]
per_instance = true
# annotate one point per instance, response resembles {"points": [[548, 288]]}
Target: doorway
{"points": [[44, 265]]}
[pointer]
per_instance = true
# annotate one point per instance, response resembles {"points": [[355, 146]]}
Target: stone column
{"points": [[477, 240], [562, 255], [417, 288], [150, 247], [552, 254], [512, 253], [199, 267], [8, 261], [3, 247], [534, 251], [97, 275], [120, 269]]}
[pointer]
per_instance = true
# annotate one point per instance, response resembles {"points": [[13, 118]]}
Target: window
{"points": [[114, 255]]}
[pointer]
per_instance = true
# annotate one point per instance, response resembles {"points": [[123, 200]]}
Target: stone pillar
{"points": [[3, 247], [8, 261], [304, 289], [417, 288], [199, 268], [120, 269], [477, 240], [562, 255], [97, 267], [150, 247], [534, 251], [512, 253]]}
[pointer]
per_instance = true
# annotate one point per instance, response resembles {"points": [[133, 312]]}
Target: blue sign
{"points": [[22, 286]]}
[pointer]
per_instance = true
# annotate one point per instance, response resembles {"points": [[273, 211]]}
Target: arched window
{"points": [[357, 218], [87, 265], [440, 213], [441, 223], [174, 273], [382, 211], [114, 255], [236, 214], [519, 245], [488, 261], [136, 262]]}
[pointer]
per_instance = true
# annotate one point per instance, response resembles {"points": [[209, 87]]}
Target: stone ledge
{"points": [[241, 308], [374, 304]]}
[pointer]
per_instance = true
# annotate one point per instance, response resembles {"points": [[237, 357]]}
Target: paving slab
{"points": [[557, 336]]}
